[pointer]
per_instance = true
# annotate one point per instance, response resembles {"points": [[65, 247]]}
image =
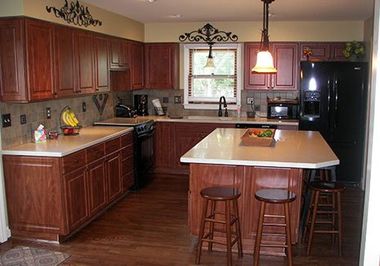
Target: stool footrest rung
{"points": [[273, 216], [274, 224], [326, 231], [273, 245]]}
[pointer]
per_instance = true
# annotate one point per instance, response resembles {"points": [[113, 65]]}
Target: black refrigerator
{"points": [[333, 98]]}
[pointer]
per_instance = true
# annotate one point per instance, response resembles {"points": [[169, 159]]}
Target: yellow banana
{"points": [[73, 117], [69, 120], [64, 118]]}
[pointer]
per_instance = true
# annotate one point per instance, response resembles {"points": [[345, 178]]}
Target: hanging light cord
{"points": [[264, 33]]}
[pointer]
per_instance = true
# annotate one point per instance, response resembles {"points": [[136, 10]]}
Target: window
{"points": [[203, 87]]}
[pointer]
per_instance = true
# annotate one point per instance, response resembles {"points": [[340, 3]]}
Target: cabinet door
{"points": [[336, 51], [163, 149], [12, 67], [124, 55], [285, 57], [319, 51], [161, 66], [253, 80], [114, 178], [115, 53], [65, 69], [102, 63], [39, 43], [97, 186], [85, 61], [76, 198], [136, 66]]}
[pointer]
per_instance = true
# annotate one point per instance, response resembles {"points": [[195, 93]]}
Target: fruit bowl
{"points": [[69, 122], [258, 137], [68, 130]]}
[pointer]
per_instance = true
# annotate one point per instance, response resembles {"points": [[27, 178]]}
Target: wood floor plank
{"points": [[149, 227]]}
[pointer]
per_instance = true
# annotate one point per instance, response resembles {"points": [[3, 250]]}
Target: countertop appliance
{"points": [[333, 101], [280, 108], [141, 104], [122, 110], [143, 145]]}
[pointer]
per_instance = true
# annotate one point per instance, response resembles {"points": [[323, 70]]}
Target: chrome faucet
{"points": [[224, 105]]}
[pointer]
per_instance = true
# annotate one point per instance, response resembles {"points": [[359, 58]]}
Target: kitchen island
{"points": [[221, 159]]}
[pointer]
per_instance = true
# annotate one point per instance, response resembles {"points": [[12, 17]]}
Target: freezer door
{"points": [[347, 119]]}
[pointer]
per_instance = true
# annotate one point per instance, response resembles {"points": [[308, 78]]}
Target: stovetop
{"points": [[123, 121]]}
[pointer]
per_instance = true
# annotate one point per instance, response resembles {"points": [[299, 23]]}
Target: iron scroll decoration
{"points": [[74, 13], [208, 34]]}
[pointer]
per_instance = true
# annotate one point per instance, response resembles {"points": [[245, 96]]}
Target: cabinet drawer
{"points": [[127, 139], [95, 152], [112, 145], [74, 161], [127, 165], [127, 152]]}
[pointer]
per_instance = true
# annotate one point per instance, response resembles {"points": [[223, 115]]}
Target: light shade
{"points": [[210, 63], [264, 63]]}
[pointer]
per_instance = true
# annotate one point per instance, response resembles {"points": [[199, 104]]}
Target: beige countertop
{"points": [[213, 119], [65, 145], [295, 149]]}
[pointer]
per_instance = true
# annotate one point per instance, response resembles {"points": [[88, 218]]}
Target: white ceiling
{"points": [[237, 10]]}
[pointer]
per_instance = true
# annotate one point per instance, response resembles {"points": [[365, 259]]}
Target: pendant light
{"points": [[210, 60], [264, 63]]}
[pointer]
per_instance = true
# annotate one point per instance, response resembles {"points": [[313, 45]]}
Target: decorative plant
{"points": [[354, 48]]}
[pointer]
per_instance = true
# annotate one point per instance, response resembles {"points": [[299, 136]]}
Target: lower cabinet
{"points": [[50, 198], [173, 139]]}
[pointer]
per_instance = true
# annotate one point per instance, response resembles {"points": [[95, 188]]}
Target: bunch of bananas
{"points": [[68, 117]]}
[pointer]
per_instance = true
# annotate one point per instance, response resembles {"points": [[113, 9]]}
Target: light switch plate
{"points": [[6, 120]]}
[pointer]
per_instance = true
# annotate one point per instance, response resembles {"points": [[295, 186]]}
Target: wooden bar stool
{"points": [[330, 209], [214, 195], [274, 196]]}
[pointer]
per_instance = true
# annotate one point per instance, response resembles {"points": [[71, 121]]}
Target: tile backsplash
{"points": [[171, 100], [35, 114]]}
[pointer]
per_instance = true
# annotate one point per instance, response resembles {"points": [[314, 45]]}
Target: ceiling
{"points": [[149, 11]]}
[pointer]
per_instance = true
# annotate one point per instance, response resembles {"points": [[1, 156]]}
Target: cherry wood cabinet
{"points": [[136, 56], [161, 65], [65, 65], [173, 139], [26, 60], [84, 44], [50, 198], [102, 59], [119, 54], [323, 51], [285, 57]]}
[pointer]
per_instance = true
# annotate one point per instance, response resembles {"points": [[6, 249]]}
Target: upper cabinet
{"points": [[137, 65], [26, 64], [119, 54], [102, 63], [285, 56], [322, 51], [161, 65]]}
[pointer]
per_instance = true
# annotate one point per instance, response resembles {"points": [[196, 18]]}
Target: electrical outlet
{"points": [[48, 112], [250, 100], [6, 118], [177, 99], [84, 107], [23, 119]]}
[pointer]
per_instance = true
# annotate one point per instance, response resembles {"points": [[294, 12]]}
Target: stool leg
{"points": [[334, 208], [228, 232], [309, 211], [201, 231], [288, 234], [211, 235], [313, 218], [237, 228], [339, 224], [256, 254]]}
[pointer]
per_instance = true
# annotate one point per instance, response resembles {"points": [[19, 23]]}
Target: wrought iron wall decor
{"points": [[208, 34], [74, 13]]}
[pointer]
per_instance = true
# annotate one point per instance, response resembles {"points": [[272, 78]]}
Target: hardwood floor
{"points": [[149, 227]]}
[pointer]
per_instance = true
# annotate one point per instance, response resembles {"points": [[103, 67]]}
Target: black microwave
{"points": [[283, 108]]}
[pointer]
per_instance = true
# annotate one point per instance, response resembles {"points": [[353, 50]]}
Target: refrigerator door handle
{"points": [[336, 103]]}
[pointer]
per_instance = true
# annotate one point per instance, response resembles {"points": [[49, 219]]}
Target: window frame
{"points": [[186, 70]]}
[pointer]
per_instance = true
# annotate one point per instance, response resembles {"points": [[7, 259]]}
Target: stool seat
{"points": [[220, 193], [275, 195], [327, 186]]}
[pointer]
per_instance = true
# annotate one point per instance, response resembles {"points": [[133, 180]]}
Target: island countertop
{"points": [[293, 149], [65, 145]]}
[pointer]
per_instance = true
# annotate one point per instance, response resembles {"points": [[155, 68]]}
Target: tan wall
{"points": [[113, 24], [11, 8], [251, 30]]}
